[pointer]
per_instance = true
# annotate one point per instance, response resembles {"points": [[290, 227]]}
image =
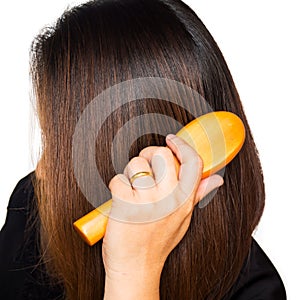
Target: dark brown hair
{"points": [[92, 47]]}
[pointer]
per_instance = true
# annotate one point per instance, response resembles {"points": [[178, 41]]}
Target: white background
{"points": [[260, 41]]}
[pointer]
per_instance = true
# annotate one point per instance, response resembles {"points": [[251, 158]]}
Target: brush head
{"points": [[217, 137]]}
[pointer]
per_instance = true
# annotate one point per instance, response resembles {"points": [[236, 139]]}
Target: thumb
{"points": [[207, 185]]}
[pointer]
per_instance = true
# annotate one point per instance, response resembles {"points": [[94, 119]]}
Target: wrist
{"points": [[131, 285]]}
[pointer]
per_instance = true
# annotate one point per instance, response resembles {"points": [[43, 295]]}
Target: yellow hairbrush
{"points": [[217, 137]]}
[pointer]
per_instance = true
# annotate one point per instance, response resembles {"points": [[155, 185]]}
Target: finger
{"points": [[148, 154], [164, 168], [207, 185], [120, 187], [124, 204], [191, 164], [136, 165]]}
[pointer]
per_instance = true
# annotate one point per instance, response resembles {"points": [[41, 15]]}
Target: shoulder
{"points": [[22, 192], [259, 279], [12, 236], [19, 206]]}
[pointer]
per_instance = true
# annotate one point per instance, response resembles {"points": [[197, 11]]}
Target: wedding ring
{"points": [[139, 174]]}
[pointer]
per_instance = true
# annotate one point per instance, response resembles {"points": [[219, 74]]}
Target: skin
{"points": [[134, 253]]}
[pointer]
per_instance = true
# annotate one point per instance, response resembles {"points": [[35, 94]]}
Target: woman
{"points": [[205, 253]]}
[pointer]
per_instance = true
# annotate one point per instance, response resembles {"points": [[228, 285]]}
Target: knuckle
{"points": [[138, 160], [114, 182], [135, 160], [147, 151], [185, 148], [197, 159], [163, 151], [189, 152]]}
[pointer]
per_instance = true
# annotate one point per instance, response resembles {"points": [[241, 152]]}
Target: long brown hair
{"points": [[90, 48]]}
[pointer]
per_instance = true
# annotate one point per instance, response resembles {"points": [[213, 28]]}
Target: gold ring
{"points": [[139, 174]]}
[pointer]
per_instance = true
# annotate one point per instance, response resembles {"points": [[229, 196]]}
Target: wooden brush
{"points": [[217, 137]]}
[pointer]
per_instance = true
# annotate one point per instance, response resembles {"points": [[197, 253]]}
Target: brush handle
{"points": [[217, 137]]}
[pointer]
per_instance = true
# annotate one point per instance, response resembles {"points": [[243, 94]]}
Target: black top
{"points": [[22, 277]]}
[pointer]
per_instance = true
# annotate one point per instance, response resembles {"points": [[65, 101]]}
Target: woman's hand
{"points": [[150, 217]]}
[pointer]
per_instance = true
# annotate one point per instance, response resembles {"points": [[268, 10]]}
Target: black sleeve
{"points": [[21, 279], [11, 240], [21, 274], [258, 280]]}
